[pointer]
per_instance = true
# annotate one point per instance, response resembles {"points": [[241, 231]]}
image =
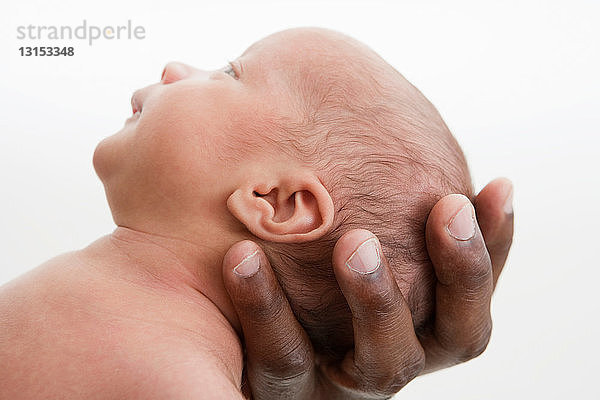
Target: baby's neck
{"points": [[178, 270], [175, 262]]}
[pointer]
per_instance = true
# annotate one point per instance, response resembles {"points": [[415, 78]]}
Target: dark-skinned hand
{"points": [[387, 353]]}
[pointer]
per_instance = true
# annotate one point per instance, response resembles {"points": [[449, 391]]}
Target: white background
{"points": [[516, 81]]}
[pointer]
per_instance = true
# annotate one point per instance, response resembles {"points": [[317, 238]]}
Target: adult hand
{"points": [[467, 258]]}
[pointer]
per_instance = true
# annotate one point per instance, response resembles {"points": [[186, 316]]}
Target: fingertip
{"points": [[496, 197], [251, 283], [349, 242], [496, 220], [495, 213], [243, 260], [452, 215], [364, 276], [242, 266], [238, 252], [357, 252], [454, 241], [501, 186]]}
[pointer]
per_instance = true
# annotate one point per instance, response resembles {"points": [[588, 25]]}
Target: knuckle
{"points": [[477, 268], [469, 267], [472, 352], [413, 366], [390, 381], [380, 303], [289, 359], [417, 364], [461, 347], [261, 307], [477, 346]]}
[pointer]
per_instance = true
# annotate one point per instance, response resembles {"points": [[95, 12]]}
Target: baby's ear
{"points": [[290, 209]]}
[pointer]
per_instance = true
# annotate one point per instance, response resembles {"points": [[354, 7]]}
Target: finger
{"points": [[462, 324], [495, 214], [279, 354], [387, 354]]}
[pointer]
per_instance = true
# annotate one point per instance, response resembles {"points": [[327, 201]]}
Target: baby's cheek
{"points": [[194, 120], [173, 136]]}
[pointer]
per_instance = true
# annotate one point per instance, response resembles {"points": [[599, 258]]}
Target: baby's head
{"points": [[305, 136]]}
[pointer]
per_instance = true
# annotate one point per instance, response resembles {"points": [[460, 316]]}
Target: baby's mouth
{"points": [[136, 104]]}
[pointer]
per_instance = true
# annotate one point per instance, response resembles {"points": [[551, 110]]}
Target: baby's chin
{"points": [[111, 150]]}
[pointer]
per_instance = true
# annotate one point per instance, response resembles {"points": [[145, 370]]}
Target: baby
{"points": [[305, 136]]}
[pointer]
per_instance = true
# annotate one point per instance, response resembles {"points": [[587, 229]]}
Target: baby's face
{"points": [[195, 134]]}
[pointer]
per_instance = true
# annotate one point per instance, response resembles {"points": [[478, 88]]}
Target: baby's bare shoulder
{"points": [[67, 329]]}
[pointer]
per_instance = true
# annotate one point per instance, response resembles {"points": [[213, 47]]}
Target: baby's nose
{"points": [[175, 71]]}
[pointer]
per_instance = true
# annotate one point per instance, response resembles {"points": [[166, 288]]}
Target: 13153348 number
{"points": [[46, 51]]}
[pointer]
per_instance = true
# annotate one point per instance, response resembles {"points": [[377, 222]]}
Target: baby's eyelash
{"points": [[230, 71]]}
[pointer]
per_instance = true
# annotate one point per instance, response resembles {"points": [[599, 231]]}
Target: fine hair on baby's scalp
{"points": [[385, 156]]}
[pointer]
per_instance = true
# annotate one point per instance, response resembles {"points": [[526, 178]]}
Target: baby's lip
{"points": [[136, 102]]}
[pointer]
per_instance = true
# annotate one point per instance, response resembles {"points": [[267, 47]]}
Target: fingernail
{"points": [[508, 203], [462, 225], [366, 258], [248, 266]]}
